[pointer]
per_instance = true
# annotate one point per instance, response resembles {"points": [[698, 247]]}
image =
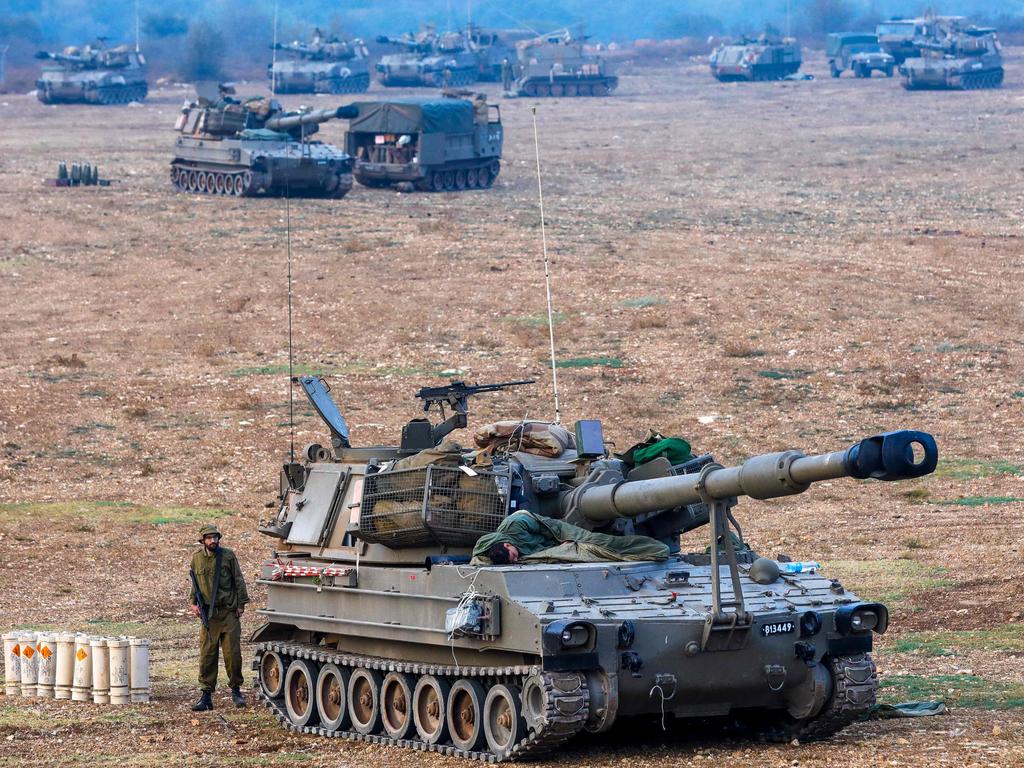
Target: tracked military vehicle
{"points": [[558, 65], [226, 147], [321, 66], [92, 75], [428, 60], [380, 629], [436, 145], [965, 58], [766, 58]]}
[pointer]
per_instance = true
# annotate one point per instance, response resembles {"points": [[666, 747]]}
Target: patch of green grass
{"points": [[795, 373], [958, 690], [121, 511], [1007, 637], [540, 319], [971, 469], [589, 362], [918, 494], [978, 501], [888, 581], [18, 718], [280, 369], [643, 302], [98, 394], [1018, 394]]}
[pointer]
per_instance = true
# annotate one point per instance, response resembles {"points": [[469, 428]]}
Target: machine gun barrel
{"points": [[888, 456], [63, 57], [459, 391], [287, 122]]}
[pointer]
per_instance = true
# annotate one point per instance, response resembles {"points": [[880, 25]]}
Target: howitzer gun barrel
{"points": [[889, 456], [288, 122]]}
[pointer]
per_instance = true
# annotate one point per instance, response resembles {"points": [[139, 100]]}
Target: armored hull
{"points": [[567, 84], [755, 61], [411, 70], [558, 65], [352, 76], [379, 628], [90, 87], [968, 74], [240, 167]]}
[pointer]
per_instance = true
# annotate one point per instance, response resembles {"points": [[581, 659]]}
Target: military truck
{"points": [[379, 628], [321, 66], [433, 145], [902, 38], [93, 74], [494, 46], [255, 147], [858, 52], [428, 60], [767, 58], [965, 58], [557, 64]]}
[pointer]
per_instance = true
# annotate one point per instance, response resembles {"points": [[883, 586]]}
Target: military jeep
{"points": [[859, 52]]}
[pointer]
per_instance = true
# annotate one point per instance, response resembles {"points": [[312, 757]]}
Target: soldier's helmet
{"points": [[209, 530]]}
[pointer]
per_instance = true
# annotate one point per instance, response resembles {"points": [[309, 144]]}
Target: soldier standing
{"points": [[506, 74], [218, 598]]}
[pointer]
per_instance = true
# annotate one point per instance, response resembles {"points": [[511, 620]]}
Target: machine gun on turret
{"points": [[456, 396]]}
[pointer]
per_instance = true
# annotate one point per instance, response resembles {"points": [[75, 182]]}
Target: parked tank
{"points": [[435, 145], [321, 66], [858, 52], [558, 65], [967, 58], [766, 58], [226, 147], [379, 629], [92, 75], [493, 46], [429, 60]]}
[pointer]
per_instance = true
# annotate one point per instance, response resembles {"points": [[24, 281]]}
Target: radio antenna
{"points": [[547, 269], [291, 356], [137, 48], [273, 73]]}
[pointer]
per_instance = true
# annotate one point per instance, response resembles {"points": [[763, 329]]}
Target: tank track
{"points": [[568, 701], [855, 686], [237, 183], [594, 86], [121, 94], [353, 84], [480, 176]]}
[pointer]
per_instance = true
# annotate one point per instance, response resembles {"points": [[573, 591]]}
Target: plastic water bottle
{"points": [[809, 567]]}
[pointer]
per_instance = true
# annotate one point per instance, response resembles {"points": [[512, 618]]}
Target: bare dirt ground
{"points": [[752, 266]]}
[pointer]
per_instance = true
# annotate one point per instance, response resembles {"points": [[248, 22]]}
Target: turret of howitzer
{"points": [[403, 42], [65, 58], [606, 495]]}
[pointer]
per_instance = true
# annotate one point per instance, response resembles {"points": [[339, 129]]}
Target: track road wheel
{"points": [[331, 698], [449, 180], [437, 181], [466, 714], [299, 693], [396, 704], [429, 705], [460, 179], [364, 700], [472, 179], [504, 725], [271, 674]]}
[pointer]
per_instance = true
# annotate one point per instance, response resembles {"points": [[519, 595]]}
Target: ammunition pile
{"points": [[76, 666]]}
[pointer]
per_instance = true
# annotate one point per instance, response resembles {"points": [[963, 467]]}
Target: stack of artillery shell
{"points": [[80, 667]]}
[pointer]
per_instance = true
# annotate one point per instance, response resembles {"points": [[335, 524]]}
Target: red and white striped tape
{"points": [[285, 571]]}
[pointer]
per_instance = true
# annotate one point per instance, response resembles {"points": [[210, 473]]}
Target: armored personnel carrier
{"points": [[92, 75], [379, 628], [902, 38], [227, 147], [434, 145], [321, 66], [858, 52], [557, 65], [766, 58], [428, 60], [967, 58]]}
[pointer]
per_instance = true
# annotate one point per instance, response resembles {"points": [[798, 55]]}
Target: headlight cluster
{"points": [[862, 617]]}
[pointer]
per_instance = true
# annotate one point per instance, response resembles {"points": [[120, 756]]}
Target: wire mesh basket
{"points": [[432, 505]]}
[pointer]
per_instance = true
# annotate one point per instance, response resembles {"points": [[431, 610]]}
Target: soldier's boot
{"points": [[237, 697], [204, 704]]}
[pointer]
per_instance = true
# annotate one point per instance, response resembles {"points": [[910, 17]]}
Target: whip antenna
{"points": [[547, 270], [273, 72], [291, 356]]}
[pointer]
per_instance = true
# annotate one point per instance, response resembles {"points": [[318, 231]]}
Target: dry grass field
{"points": [[752, 266]]}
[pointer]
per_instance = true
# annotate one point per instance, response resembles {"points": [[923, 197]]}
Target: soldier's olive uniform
{"points": [[224, 627]]}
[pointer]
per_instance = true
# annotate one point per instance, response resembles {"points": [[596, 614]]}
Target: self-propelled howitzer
{"points": [[371, 593]]}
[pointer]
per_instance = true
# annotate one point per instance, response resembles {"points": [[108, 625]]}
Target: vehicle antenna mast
{"points": [[547, 269], [291, 355], [273, 72]]}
